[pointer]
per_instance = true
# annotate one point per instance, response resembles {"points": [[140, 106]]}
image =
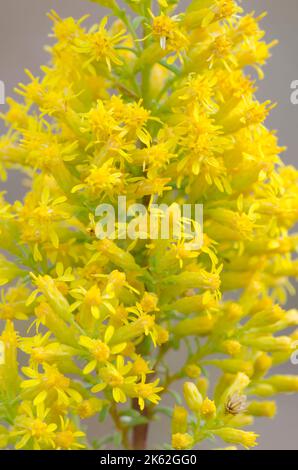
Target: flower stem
{"points": [[140, 432]]}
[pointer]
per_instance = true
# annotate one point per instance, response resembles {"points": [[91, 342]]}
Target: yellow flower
{"points": [[100, 350], [66, 30], [88, 408], [43, 219], [182, 441], [208, 408], [144, 323], [13, 304], [140, 367], [104, 178], [192, 371], [31, 427], [51, 383], [99, 46], [49, 288], [147, 391], [117, 378], [149, 302], [232, 347], [92, 300], [171, 37], [67, 437], [42, 348]]}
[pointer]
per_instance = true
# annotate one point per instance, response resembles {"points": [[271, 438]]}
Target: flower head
{"points": [[32, 427]]}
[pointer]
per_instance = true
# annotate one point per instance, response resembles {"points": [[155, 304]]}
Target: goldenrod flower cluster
{"points": [[153, 105]]}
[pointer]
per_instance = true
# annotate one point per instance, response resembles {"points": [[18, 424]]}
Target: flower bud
{"points": [[284, 383], [237, 436], [179, 420], [192, 396], [232, 366], [262, 365], [192, 371], [202, 385], [265, 409], [208, 409], [231, 347], [182, 441], [195, 326]]}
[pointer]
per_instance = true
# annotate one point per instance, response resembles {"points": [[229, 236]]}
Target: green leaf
{"points": [[166, 410], [99, 443], [131, 418], [176, 395], [103, 414], [117, 439], [129, 421], [129, 412]]}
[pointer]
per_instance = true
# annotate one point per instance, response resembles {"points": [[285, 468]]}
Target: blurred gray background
{"points": [[23, 33]]}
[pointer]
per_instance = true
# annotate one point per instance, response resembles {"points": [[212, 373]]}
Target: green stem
{"points": [[128, 23], [117, 421], [173, 68], [146, 72]]}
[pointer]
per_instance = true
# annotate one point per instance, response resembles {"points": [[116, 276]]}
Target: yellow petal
{"points": [[89, 367], [86, 342], [109, 333], [98, 388], [40, 398], [118, 348]]}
